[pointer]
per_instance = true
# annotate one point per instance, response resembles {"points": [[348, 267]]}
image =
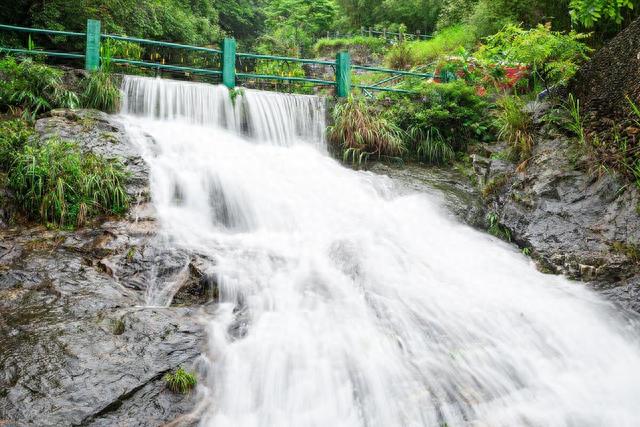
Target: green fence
{"points": [[228, 56]]}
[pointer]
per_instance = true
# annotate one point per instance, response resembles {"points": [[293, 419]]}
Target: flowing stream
{"points": [[345, 304]]}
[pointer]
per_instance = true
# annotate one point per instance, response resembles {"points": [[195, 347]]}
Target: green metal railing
{"points": [[228, 57]]}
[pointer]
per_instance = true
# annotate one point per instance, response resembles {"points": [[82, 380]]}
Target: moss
{"points": [[131, 253], [631, 250], [117, 327], [493, 187]]}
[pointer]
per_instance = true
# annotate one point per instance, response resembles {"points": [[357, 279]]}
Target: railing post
{"points": [[229, 62], [92, 48], [343, 74]]}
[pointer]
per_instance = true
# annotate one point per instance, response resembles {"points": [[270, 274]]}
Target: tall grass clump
{"points": [[445, 42], [515, 126], [14, 134], [361, 131], [29, 88], [101, 92], [54, 182], [180, 381], [431, 146]]}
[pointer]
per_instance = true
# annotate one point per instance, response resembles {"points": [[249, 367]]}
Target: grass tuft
{"points": [[101, 92], [180, 381], [54, 182], [515, 126], [362, 132]]}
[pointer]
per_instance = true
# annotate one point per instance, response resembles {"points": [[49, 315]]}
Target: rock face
{"points": [[455, 191], [79, 342], [574, 223]]}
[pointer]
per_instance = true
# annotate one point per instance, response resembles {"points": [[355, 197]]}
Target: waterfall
{"points": [[279, 119], [342, 303]]}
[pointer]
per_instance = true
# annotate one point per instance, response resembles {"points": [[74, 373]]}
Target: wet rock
{"points": [[200, 286], [453, 188], [79, 343], [577, 224]]}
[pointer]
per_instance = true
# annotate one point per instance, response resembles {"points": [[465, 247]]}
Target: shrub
{"points": [[554, 57], [325, 47], [101, 92], [56, 183], [360, 131], [180, 381], [515, 126], [400, 57], [448, 113], [422, 52], [14, 134], [30, 88]]}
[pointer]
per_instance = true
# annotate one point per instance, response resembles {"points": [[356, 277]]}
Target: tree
{"points": [[589, 12], [293, 25]]}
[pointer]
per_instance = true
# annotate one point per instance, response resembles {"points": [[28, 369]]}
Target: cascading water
{"points": [[343, 304]]}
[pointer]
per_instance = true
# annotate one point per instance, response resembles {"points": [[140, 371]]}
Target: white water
{"points": [[345, 305]]}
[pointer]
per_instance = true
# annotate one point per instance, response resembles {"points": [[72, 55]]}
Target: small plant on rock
{"points": [[515, 126], [180, 381]]}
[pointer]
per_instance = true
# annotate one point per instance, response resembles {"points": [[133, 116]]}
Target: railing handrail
{"points": [[160, 43], [228, 57], [41, 31], [284, 58]]}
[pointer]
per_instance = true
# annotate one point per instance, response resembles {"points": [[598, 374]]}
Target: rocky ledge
{"points": [[79, 342], [571, 221]]}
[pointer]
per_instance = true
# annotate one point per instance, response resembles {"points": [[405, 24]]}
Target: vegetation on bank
{"points": [[54, 182]]}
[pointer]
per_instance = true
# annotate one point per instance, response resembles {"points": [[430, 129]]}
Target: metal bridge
{"points": [[227, 55]]}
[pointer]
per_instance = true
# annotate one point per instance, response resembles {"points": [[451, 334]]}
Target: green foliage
{"points": [[194, 22], [515, 126], [55, 182], [451, 113], [575, 122], [554, 57], [180, 381], [487, 17], [360, 132], [445, 42], [101, 92], [635, 110], [14, 134], [292, 25], [432, 147], [400, 57], [589, 12], [496, 229], [325, 47], [412, 14], [31, 88]]}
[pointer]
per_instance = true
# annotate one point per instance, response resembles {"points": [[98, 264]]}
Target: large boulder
{"points": [[86, 327]]}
